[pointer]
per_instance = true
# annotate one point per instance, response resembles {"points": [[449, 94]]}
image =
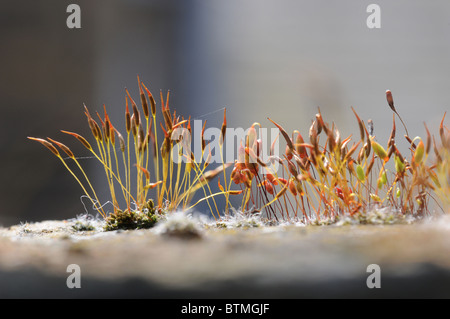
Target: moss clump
{"points": [[247, 223], [242, 220], [82, 226], [375, 216], [382, 216], [147, 218]]}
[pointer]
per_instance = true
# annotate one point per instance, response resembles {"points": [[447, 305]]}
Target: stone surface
{"points": [[262, 262]]}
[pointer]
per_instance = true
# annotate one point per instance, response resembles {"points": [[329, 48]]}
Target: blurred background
{"points": [[277, 59]]}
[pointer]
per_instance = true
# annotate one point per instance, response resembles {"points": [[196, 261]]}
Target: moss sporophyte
{"points": [[320, 177]]}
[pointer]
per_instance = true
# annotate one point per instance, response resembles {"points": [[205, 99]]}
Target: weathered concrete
{"points": [[263, 262]]}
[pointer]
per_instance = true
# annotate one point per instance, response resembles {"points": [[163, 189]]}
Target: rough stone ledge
{"points": [[264, 262]]}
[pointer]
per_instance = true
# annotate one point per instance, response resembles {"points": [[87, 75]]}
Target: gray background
{"points": [[277, 59]]}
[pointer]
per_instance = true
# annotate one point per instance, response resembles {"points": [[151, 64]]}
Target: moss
{"points": [[220, 225], [26, 231], [383, 216], [375, 216], [147, 218], [180, 225], [247, 223], [322, 222], [82, 226], [242, 220]]}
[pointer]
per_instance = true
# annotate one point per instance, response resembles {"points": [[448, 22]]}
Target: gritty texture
{"points": [[287, 261]]}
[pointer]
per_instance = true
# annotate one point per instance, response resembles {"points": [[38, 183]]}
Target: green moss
{"points": [[147, 218], [247, 223], [180, 225]]}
